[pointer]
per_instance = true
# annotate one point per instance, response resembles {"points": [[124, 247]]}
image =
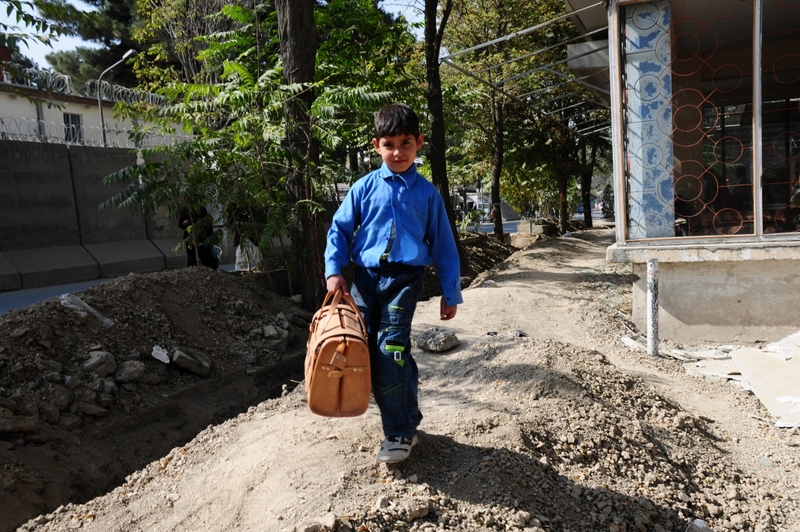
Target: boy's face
{"points": [[398, 151]]}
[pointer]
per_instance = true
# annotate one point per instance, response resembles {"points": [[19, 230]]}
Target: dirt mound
{"points": [[84, 402], [540, 419]]}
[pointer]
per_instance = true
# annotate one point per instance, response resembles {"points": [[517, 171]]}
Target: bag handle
{"points": [[338, 296]]}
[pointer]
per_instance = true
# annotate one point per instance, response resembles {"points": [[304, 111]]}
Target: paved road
{"points": [[508, 227], [15, 299], [25, 298]]}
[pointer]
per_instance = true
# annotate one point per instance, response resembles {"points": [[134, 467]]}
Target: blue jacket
{"points": [[362, 226]]}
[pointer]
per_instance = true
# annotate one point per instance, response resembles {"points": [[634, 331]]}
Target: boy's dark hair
{"points": [[396, 119]]}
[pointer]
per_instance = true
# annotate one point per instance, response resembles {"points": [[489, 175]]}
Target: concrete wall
{"points": [[51, 228], [719, 293], [37, 204]]}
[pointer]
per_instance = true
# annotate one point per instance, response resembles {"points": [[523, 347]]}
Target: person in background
{"points": [[198, 227]]}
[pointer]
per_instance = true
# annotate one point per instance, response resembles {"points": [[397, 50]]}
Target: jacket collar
{"points": [[408, 177]]}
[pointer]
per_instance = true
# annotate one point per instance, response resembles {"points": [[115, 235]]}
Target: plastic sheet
{"points": [[75, 303], [159, 353]]}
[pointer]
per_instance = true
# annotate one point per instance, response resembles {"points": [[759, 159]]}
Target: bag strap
{"points": [[338, 296], [350, 301]]}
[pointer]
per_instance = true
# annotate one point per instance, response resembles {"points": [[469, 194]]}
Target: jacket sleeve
{"points": [[444, 252], [340, 236]]}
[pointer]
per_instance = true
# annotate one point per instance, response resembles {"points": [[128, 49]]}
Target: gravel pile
{"points": [[522, 433], [566, 443]]}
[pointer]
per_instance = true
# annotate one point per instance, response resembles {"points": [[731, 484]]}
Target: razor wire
{"points": [[52, 81], [118, 93], [46, 80], [27, 130]]}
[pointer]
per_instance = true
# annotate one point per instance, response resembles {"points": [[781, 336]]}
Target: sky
{"points": [[37, 51]]}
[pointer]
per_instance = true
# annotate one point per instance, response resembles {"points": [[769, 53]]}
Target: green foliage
{"points": [[110, 26], [541, 113], [234, 111], [471, 219], [13, 45], [20, 12]]}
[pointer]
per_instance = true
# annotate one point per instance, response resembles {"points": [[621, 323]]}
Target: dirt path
{"points": [[539, 420]]}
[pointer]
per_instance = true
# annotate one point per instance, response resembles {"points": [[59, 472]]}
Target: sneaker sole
{"points": [[391, 460]]}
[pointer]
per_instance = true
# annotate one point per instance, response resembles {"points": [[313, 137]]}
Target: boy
{"points": [[392, 224]]}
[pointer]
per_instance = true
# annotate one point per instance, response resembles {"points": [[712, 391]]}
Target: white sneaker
{"points": [[396, 449]]}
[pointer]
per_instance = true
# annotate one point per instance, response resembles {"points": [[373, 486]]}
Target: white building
{"points": [[705, 103], [43, 106]]}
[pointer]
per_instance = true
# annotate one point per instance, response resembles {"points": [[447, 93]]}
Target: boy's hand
{"points": [[337, 282], [447, 312]]}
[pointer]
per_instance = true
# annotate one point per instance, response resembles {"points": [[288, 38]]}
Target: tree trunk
{"points": [[433, 94], [587, 170], [563, 211], [498, 123], [298, 38]]}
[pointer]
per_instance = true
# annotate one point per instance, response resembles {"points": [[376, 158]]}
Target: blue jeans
{"points": [[387, 298]]}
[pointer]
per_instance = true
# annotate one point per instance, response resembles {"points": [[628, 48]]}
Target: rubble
{"points": [[436, 340], [521, 432]]}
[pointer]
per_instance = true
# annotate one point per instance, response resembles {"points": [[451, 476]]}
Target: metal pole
{"points": [[100, 106], [99, 92], [652, 307]]}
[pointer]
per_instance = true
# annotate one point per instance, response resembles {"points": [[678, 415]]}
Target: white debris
{"points": [[631, 343], [159, 353]]}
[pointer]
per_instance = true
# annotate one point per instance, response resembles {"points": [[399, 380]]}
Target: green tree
{"points": [[437, 16], [299, 41], [17, 56], [517, 50], [608, 202], [477, 22], [260, 134], [363, 47], [17, 34], [110, 25]]}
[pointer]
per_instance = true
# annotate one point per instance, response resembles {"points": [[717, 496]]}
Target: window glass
{"points": [[712, 103], [780, 108], [73, 128], [689, 121]]}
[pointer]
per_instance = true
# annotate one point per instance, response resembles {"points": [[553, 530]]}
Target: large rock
{"points": [[270, 331], [61, 397], [70, 421], [50, 413], [129, 371], [436, 340], [195, 364], [100, 363], [18, 424], [110, 385], [412, 509], [93, 410], [280, 343]]}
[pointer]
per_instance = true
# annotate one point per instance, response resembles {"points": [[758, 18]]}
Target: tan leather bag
{"points": [[337, 372]]}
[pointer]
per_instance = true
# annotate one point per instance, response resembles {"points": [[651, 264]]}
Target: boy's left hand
{"points": [[447, 312]]}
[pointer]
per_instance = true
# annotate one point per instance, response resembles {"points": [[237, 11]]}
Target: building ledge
{"points": [[722, 252]]}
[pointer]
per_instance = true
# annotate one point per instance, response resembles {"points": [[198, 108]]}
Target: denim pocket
{"points": [[393, 357]]}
